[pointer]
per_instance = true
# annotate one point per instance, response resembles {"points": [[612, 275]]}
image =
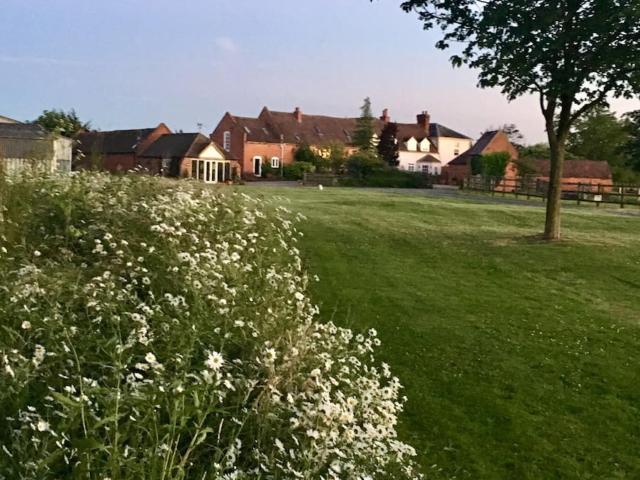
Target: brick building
{"points": [[273, 137], [186, 155], [490, 142], [116, 150]]}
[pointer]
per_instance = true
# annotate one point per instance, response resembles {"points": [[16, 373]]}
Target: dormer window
{"points": [[226, 141], [247, 130], [266, 132]]}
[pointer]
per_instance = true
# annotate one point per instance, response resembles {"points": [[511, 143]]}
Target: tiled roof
{"points": [[476, 149], [177, 145], [4, 119], [428, 158], [115, 141], [437, 130], [23, 140], [22, 131], [574, 168], [274, 127]]}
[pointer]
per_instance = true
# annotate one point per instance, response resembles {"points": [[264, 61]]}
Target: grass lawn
{"points": [[520, 359]]}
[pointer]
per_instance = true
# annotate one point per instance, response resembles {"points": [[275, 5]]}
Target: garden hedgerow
{"points": [[161, 330]]}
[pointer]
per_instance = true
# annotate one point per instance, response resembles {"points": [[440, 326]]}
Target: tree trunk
{"points": [[552, 222]]}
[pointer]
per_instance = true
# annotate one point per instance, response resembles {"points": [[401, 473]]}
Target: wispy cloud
{"points": [[46, 61], [226, 44]]}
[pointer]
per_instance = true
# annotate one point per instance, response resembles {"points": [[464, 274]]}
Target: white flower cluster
{"points": [[164, 330]]}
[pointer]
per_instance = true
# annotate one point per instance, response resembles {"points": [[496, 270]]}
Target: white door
{"points": [[209, 171]]}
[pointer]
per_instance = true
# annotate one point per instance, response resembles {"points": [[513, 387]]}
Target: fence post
{"points": [[600, 194], [516, 187], [622, 196], [579, 192]]}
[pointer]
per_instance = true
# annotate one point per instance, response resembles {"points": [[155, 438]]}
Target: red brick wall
{"points": [[227, 124], [284, 152], [500, 143], [120, 162], [455, 174]]}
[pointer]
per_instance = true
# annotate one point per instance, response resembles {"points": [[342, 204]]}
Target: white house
{"points": [[427, 147]]}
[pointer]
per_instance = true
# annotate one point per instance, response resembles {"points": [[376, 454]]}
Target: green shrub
{"points": [[490, 164], [364, 163], [156, 329], [266, 169], [296, 170], [389, 178]]}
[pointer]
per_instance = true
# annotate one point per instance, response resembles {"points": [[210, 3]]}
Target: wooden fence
{"points": [[591, 192]]}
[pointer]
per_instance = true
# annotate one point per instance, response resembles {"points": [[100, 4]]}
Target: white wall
{"points": [[211, 153], [447, 147], [405, 158], [62, 154]]}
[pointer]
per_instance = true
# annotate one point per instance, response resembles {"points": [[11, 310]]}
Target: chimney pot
{"points": [[385, 116], [423, 120], [298, 114]]}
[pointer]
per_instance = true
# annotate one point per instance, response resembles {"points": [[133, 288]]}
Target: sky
{"points": [[135, 63]]}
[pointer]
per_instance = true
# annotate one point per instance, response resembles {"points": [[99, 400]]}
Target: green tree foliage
{"points": [[364, 132], [388, 147], [296, 170], [490, 164], [599, 135], [337, 156], [541, 151], [525, 167], [572, 54], [67, 124], [362, 164], [304, 153], [632, 146]]}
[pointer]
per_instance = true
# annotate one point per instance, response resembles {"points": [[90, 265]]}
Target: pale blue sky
{"points": [[135, 63]]}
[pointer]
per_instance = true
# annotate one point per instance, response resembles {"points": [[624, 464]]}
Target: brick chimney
{"points": [[298, 114], [423, 120], [385, 116]]}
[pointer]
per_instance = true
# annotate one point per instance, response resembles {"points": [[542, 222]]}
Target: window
{"points": [[456, 152], [424, 168], [411, 167], [275, 162], [226, 141]]}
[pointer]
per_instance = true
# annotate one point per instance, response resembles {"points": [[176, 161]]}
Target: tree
{"points": [[388, 147], [304, 153], [490, 164], [632, 146], [364, 132], [63, 123], [572, 54], [599, 135], [336, 156]]}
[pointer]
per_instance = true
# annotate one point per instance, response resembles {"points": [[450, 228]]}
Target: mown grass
{"points": [[520, 358]]}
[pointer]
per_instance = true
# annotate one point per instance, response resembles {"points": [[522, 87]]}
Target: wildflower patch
{"points": [[155, 329]]}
